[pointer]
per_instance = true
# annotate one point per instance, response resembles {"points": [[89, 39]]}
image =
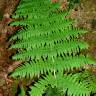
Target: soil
{"points": [[85, 13]]}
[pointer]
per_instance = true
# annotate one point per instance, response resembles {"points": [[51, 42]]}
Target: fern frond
{"points": [[43, 12], [37, 20], [52, 45], [74, 87], [90, 78], [40, 67], [42, 6], [40, 29], [52, 50], [39, 88], [29, 44], [34, 33]]}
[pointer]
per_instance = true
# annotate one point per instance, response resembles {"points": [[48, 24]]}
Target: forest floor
{"points": [[85, 14]]}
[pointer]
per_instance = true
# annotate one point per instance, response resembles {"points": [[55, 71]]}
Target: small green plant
{"points": [[50, 47]]}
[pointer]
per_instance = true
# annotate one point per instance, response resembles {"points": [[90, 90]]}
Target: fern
{"points": [[89, 77], [50, 45], [59, 64], [63, 82]]}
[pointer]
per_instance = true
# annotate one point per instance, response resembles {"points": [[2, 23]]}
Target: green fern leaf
{"points": [[40, 67], [63, 82]]}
